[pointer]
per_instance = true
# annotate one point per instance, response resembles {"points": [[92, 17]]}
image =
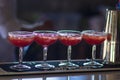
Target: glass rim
{"points": [[68, 31], [41, 31], [20, 32], [84, 31], [93, 31]]}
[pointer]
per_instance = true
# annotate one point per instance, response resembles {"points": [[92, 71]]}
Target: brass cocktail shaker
{"points": [[111, 48]]}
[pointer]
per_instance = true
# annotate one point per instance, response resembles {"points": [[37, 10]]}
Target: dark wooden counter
{"points": [[108, 72]]}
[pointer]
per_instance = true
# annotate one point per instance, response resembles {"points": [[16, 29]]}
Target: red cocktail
{"points": [[69, 38], [20, 39], [45, 38], [94, 38]]}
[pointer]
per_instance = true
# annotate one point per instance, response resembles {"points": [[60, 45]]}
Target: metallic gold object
{"points": [[111, 49]]}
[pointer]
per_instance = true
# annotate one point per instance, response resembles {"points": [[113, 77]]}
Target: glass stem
{"points": [[20, 55], [107, 57], [69, 53], [45, 54], [93, 52]]}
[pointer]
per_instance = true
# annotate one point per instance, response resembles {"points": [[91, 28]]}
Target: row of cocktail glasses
{"points": [[46, 37]]}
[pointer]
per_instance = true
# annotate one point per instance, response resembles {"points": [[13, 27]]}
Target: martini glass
{"points": [[69, 38], [93, 38], [20, 39], [45, 38]]}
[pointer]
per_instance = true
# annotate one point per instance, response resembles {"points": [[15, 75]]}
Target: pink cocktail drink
{"points": [[20, 39], [69, 38], [94, 38], [45, 38]]}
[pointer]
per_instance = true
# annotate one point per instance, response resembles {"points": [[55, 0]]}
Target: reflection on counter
{"points": [[28, 79], [79, 77]]}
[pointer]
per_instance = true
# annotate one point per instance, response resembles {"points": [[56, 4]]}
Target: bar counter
{"points": [[108, 72], [112, 75]]}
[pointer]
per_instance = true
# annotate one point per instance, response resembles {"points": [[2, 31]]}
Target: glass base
{"points": [[20, 67], [68, 65], [44, 66], [106, 62], [93, 64]]}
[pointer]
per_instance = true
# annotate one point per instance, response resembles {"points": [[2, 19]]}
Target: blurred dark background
{"points": [[65, 14], [51, 15]]}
